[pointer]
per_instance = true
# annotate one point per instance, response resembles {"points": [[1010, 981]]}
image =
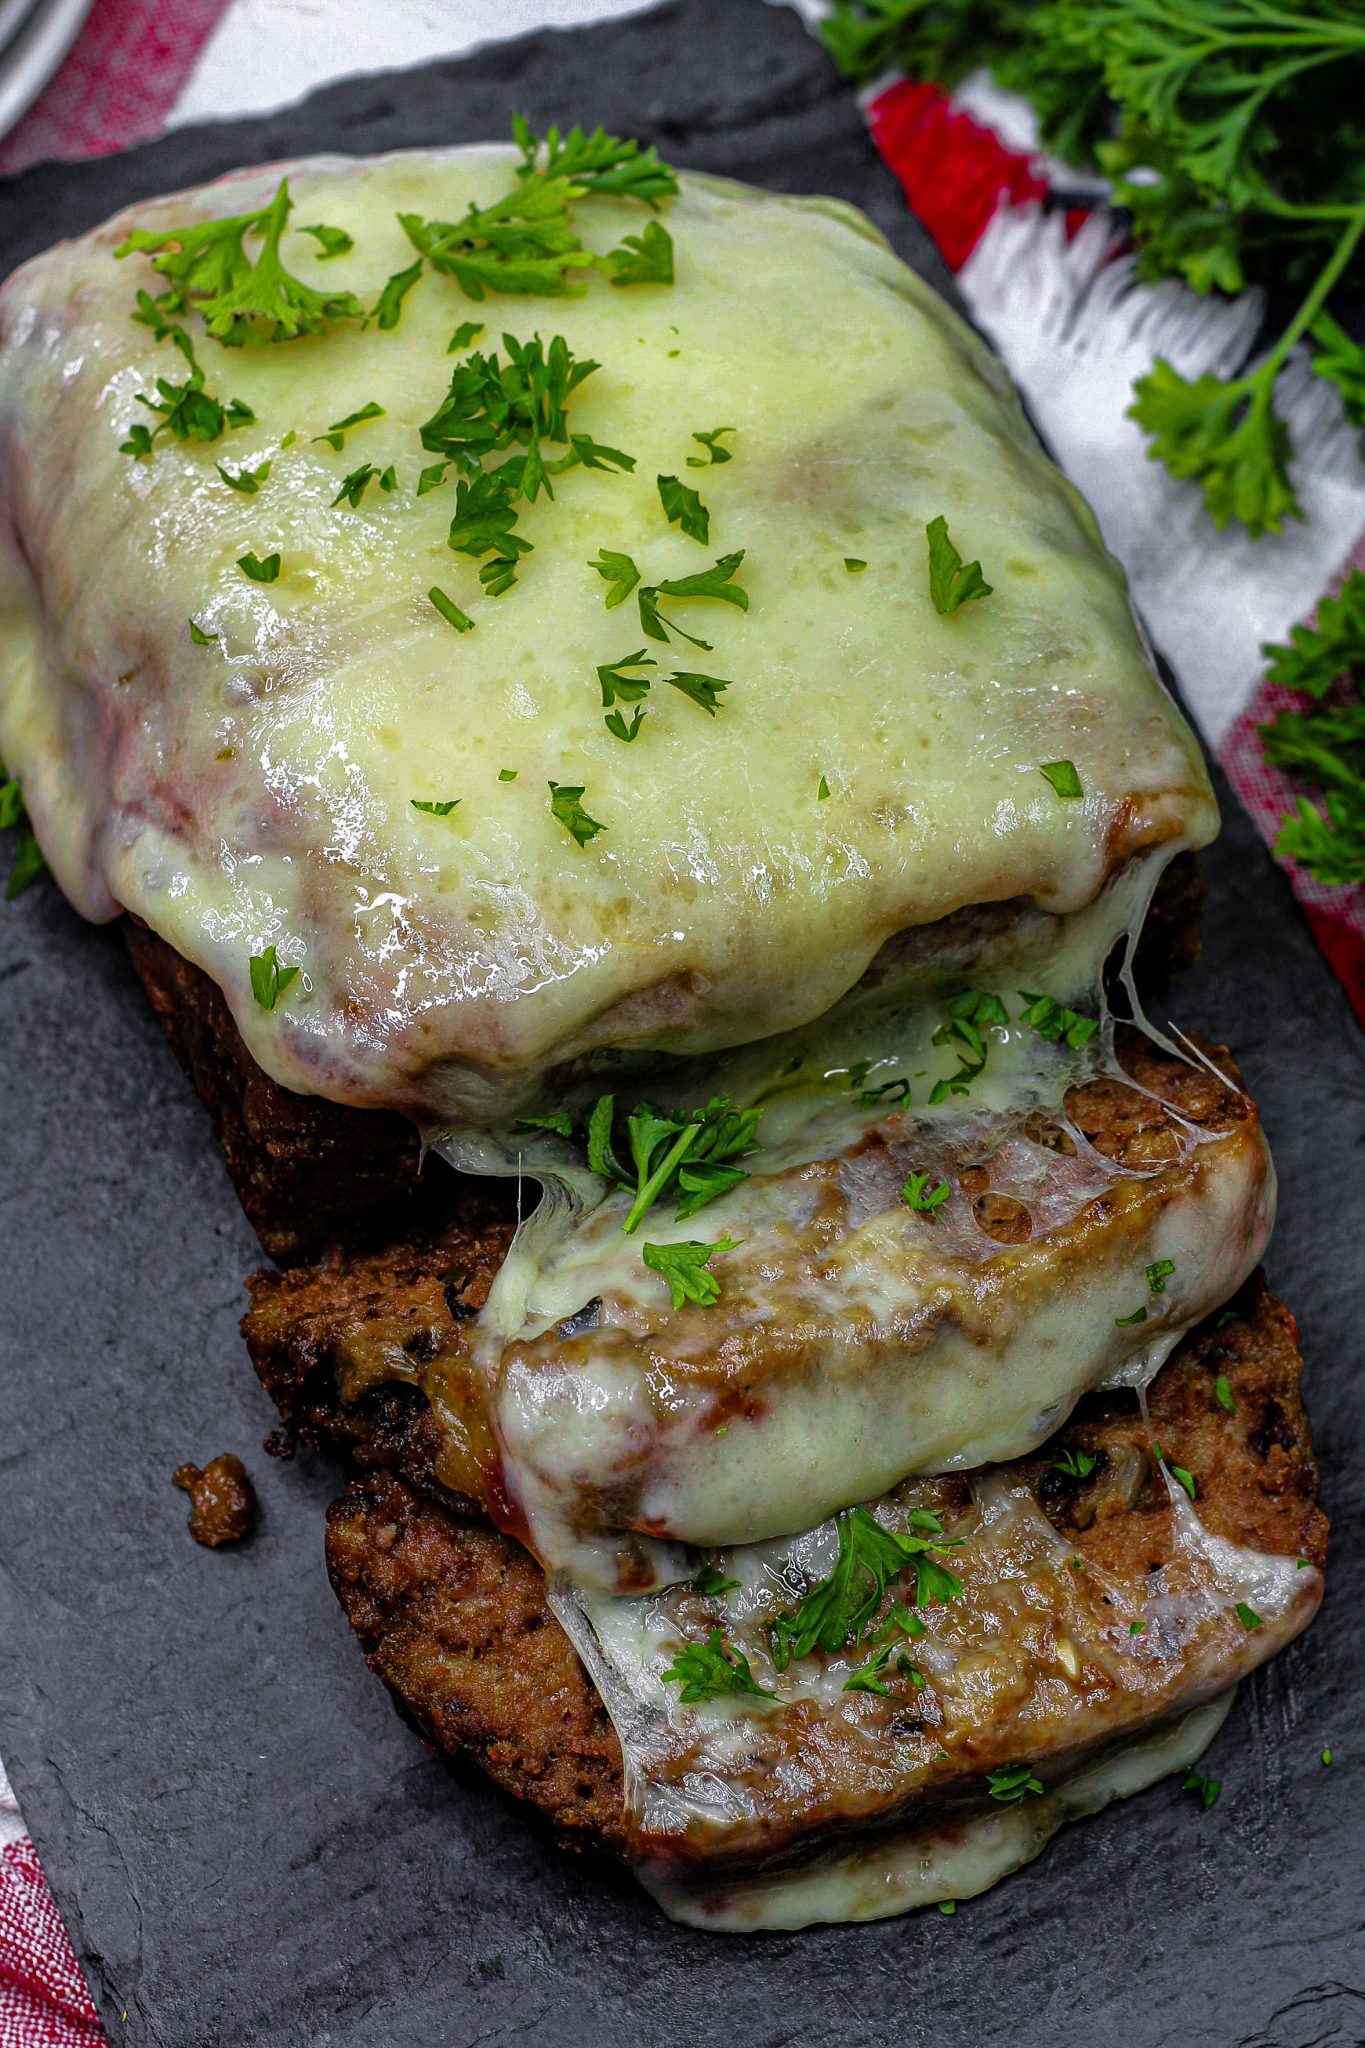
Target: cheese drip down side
{"points": [[259, 790], [1045, 1660], [901, 1873], [856, 1342]]}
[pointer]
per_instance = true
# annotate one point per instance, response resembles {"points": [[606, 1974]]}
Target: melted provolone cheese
{"points": [[259, 790]]}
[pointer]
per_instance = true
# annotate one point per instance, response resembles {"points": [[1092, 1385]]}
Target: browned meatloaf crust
{"points": [[453, 1617], [334, 1342], [308, 1171]]}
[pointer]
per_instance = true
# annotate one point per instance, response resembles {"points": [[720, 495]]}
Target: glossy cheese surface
{"points": [[259, 790]]}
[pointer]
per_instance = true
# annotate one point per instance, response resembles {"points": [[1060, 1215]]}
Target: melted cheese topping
{"points": [[259, 791]]}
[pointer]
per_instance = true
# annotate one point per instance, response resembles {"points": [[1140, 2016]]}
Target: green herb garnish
{"points": [[1013, 1782], [28, 861], [335, 241], [1204, 1786], [450, 612], [1063, 778], [620, 572], [434, 810], [970, 1014], [854, 564], [268, 979], [839, 1611], [388, 307], [711, 442], [247, 481], [465, 335], [917, 1194], [713, 1670], [1223, 1394], [1248, 1617], [685, 1267], [1139, 1315], [951, 584], [711, 1582], [645, 258], [200, 637], [339, 429], [1075, 1464], [259, 571], [1322, 742], [1158, 1273], [715, 583], [566, 805], [1051, 1021], [683, 507]]}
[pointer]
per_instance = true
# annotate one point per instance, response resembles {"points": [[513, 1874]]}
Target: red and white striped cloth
{"points": [[1056, 294]]}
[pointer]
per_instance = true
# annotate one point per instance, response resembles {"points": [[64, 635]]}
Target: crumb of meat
{"points": [[222, 1500]]}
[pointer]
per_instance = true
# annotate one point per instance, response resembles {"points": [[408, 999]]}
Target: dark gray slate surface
{"points": [[246, 1844]]}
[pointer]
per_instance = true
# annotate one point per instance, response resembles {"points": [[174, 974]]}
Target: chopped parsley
{"points": [[465, 335], [258, 570], [1063, 778], [617, 685], [971, 1012], [822, 789], [247, 481], [704, 691], [620, 572], [854, 564], [642, 259], [714, 452], [200, 637], [1229, 1315], [388, 307], [566, 805], [1051, 1021], [685, 1267], [711, 1582], [1075, 1464], [951, 584], [557, 1120], [948, 1906], [1137, 1628], [441, 810], [507, 775], [453, 616], [187, 412], [335, 241], [1223, 1394], [354, 486], [598, 162], [1327, 1756], [681, 1155], [716, 583], [1139, 1315], [28, 859], [840, 1610], [1204, 1786], [339, 429], [917, 1194], [268, 979], [683, 507], [616, 724], [496, 408], [1012, 1782], [208, 271], [1179, 1473], [713, 1670], [1248, 1617], [1158, 1273]]}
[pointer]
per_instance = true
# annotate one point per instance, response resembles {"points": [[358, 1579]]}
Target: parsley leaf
{"points": [[1075, 1464], [616, 684], [616, 724], [1248, 1617], [717, 582], [951, 585], [557, 1120], [247, 481], [28, 859], [388, 307], [854, 564], [259, 571], [1323, 743], [710, 441], [685, 1265], [186, 412], [596, 163], [970, 1013], [1224, 435], [335, 241], [339, 429], [465, 335], [434, 810], [619, 571], [642, 259], [200, 637], [1204, 1786], [450, 611], [522, 244], [1158, 1273], [1342, 362], [703, 690], [840, 1610], [1051, 1021], [1139, 1315], [1223, 1394], [683, 507], [566, 805], [1063, 778], [713, 1670], [679, 1154], [711, 1582], [354, 486], [917, 1194], [1013, 1782], [268, 979]]}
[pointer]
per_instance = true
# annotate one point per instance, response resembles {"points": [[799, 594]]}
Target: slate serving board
{"points": [[245, 1843]]}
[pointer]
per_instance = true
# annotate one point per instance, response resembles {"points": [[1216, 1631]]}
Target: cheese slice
{"points": [[260, 790]]}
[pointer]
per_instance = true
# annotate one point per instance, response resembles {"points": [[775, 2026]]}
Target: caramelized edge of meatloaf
{"points": [[309, 1172], [453, 1617]]}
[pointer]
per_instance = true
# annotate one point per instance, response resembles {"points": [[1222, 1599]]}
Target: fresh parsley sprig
{"points": [[952, 583], [1231, 131], [1322, 743], [971, 1013], [241, 299], [678, 1154], [685, 1266]]}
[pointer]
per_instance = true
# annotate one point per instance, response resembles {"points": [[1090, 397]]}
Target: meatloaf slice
{"points": [[342, 1345], [309, 1172], [453, 1615]]}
